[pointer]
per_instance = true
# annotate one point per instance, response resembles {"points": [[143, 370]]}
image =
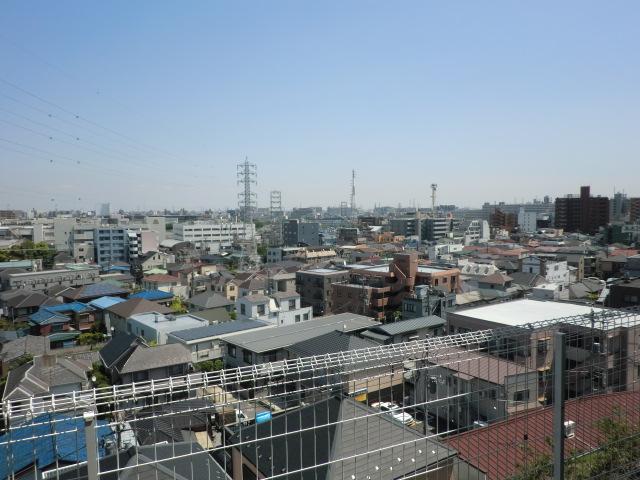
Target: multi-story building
{"points": [[544, 207], [407, 226], [434, 229], [298, 233], [583, 214], [527, 220], [553, 268], [211, 236], [378, 291], [42, 281], [281, 308], [111, 246], [314, 287], [472, 231], [634, 210], [503, 220]]}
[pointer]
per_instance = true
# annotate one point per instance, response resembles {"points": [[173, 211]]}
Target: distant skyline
{"points": [[151, 105]]}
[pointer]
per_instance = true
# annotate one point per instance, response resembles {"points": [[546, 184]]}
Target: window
{"points": [[543, 346], [261, 309], [305, 316], [231, 350], [242, 309], [521, 396], [292, 304], [297, 318], [247, 356]]}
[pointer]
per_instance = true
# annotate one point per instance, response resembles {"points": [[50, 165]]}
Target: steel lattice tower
{"points": [[275, 206], [247, 176]]}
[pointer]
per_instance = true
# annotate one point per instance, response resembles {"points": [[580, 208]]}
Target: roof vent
{"points": [[569, 429]]}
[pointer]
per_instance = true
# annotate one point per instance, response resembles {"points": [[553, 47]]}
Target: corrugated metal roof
{"points": [[152, 295], [331, 342], [281, 337], [410, 325], [217, 330], [103, 303]]}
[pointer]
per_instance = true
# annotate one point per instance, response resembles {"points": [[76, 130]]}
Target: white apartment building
{"points": [[527, 220], [212, 235], [553, 270], [281, 308]]}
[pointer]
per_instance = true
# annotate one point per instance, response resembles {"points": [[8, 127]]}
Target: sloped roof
{"points": [[499, 449], [137, 305], [118, 346], [527, 279], [148, 358], [256, 298], [76, 307], [317, 434], [152, 295], [331, 342], [30, 344], [218, 329], [95, 290], [159, 278], [410, 325], [103, 303], [44, 316], [31, 299], [209, 299]]}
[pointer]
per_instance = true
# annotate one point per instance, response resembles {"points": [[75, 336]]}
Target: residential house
{"points": [[269, 345], [552, 267], [46, 375], [209, 300], [166, 283], [116, 315], [94, 291], [82, 315], [23, 303], [153, 259], [406, 330], [281, 308], [117, 350], [142, 363], [207, 342], [13, 351], [99, 306], [159, 296], [625, 293], [154, 327]]}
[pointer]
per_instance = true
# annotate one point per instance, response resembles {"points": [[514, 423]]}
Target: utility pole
{"points": [[353, 194]]}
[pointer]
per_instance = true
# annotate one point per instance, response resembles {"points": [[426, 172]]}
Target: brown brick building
{"points": [[583, 214], [378, 291]]}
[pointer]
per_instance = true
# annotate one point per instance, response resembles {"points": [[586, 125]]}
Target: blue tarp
{"points": [[43, 451]]}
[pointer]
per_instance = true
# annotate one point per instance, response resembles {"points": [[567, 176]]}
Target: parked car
{"points": [[394, 411]]}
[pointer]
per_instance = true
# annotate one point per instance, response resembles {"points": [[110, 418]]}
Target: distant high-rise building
{"points": [[634, 210], [583, 214], [619, 206], [296, 232], [105, 209]]}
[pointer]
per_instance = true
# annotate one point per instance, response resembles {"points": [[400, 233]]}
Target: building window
{"points": [[521, 396], [305, 316], [261, 309], [297, 318], [231, 350], [247, 356], [292, 304], [242, 309]]}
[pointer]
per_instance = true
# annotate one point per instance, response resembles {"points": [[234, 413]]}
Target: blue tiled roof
{"points": [[77, 307], [105, 302], [45, 449], [100, 289], [152, 295], [45, 316]]}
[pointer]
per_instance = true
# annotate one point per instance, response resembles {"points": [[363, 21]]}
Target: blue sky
{"points": [[493, 101]]}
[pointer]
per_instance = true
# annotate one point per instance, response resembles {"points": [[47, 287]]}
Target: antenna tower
{"points": [[275, 204], [434, 187], [247, 176]]}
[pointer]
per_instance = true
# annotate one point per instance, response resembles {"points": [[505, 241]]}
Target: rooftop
{"points": [[410, 325], [332, 342], [94, 290], [281, 337], [152, 295], [148, 358], [168, 323], [522, 312], [105, 302], [210, 331], [136, 305]]}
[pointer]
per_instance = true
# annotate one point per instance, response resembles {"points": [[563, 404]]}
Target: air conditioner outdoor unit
{"points": [[569, 429]]}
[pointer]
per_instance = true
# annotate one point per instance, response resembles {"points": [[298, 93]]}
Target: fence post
{"points": [[91, 444], [558, 404]]}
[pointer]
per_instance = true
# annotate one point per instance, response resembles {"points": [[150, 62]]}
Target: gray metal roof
{"points": [[217, 330], [331, 342], [148, 358], [275, 338], [325, 437], [410, 325], [209, 299]]}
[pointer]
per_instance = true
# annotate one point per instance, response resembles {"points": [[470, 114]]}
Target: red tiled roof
{"points": [[502, 448]]}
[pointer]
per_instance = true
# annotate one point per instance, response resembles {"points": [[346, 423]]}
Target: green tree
{"points": [[90, 338], [209, 365], [178, 306], [233, 315]]}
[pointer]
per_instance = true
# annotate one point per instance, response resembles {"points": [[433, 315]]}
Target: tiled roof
{"points": [[94, 290], [116, 348], [148, 358], [331, 342], [103, 303], [44, 317], [152, 295], [499, 449], [404, 326], [209, 300], [136, 305], [161, 279]]}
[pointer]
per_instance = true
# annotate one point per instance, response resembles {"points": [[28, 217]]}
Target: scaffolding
{"points": [[435, 407]]}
